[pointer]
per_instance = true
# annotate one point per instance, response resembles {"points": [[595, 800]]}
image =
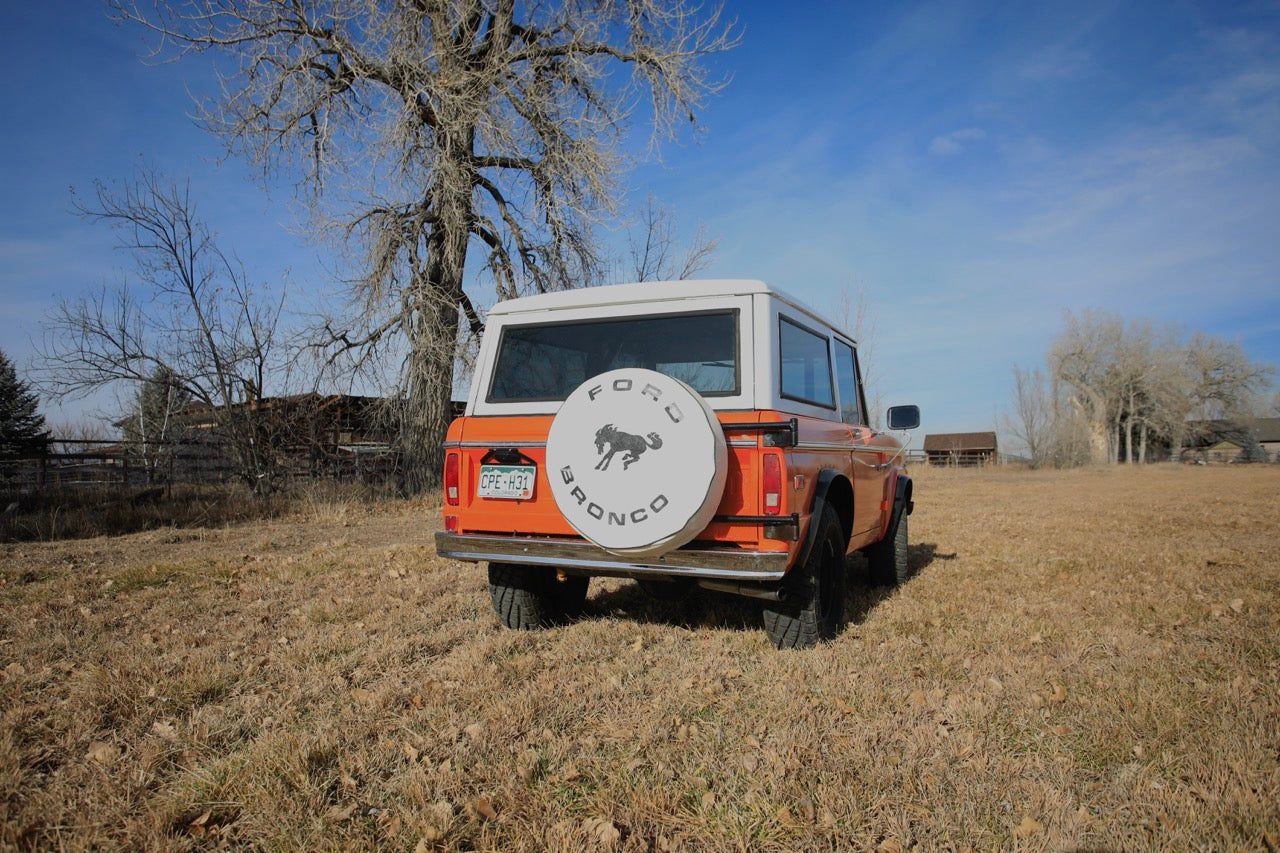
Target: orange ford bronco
{"points": [[692, 432]]}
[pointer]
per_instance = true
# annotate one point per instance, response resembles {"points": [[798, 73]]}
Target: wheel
{"points": [[887, 562], [813, 611], [666, 589], [529, 597]]}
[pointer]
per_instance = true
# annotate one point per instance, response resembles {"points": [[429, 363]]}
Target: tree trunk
{"points": [[1128, 433], [434, 299], [427, 408]]}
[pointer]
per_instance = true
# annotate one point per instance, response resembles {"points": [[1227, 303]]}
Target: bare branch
{"points": [[426, 128]]}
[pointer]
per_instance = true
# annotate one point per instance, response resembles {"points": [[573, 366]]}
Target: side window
{"points": [[806, 365], [847, 382]]}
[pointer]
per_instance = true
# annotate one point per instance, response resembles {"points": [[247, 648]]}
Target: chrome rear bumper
{"points": [[723, 564]]}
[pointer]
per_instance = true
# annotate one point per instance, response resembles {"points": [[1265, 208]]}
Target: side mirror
{"points": [[904, 417]]}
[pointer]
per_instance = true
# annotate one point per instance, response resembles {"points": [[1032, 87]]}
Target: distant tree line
{"points": [[1115, 390]]}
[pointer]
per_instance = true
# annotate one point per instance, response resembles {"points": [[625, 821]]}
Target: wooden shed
{"points": [[961, 448]]}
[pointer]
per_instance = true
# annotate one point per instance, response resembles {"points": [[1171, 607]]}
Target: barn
{"points": [[1242, 440], [961, 448]]}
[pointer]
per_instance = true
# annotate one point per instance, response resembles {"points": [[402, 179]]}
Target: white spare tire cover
{"points": [[637, 462]]}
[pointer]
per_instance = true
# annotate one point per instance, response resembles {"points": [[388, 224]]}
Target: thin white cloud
{"points": [[1056, 62], [955, 141]]}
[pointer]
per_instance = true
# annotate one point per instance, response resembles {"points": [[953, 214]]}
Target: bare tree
{"points": [[443, 130], [1050, 424], [1134, 382], [189, 314], [652, 251], [156, 427], [1223, 377], [1032, 420], [1083, 356]]}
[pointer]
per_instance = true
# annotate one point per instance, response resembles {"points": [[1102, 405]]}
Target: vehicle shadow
{"points": [[703, 608], [698, 608], [863, 596]]}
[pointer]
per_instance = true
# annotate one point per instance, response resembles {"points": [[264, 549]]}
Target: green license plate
{"points": [[508, 482]]}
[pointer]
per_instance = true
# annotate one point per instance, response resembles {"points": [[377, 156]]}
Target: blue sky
{"points": [[974, 169]]}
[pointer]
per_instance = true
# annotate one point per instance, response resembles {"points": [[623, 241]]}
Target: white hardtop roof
{"points": [[650, 291]]}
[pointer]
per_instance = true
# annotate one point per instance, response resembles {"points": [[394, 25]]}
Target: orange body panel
{"points": [[855, 453]]}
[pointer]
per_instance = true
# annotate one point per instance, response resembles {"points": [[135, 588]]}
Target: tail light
{"points": [[451, 465], [771, 482]]}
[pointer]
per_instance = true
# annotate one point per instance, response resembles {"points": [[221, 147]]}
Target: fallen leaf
{"points": [[995, 684], [411, 752], [101, 752], [340, 813], [474, 731], [603, 830], [165, 729], [201, 820], [785, 817], [484, 808], [362, 695], [708, 800], [1237, 605], [1059, 692], [1029, 826], [889, 845], [750, 762]]}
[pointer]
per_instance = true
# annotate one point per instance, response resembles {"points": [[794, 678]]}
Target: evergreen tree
{"points": [[1252, 449], [22, 432]]}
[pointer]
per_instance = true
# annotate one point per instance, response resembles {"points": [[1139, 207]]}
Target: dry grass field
{"points": [[1086, 660]]}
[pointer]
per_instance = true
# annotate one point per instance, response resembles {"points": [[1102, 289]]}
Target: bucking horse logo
{"points": [[631, 445]]}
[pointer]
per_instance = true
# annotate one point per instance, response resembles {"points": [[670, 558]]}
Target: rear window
{"points": [[547, 361]]}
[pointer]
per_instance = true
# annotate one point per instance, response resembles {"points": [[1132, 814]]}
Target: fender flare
{"points": [[825, 478], [902, 504]]}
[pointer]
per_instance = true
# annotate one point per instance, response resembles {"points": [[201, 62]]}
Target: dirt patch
{"points": [[1086, 659]]}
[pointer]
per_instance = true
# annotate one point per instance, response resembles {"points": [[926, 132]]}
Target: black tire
{"points": [[813, 611], [887, 563], [672, 589], [530, 597]]}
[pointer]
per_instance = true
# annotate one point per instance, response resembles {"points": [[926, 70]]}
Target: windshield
{"points": [[546, 362]]}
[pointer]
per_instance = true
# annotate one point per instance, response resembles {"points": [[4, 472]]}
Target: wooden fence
{"points": [[77, 463]]}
